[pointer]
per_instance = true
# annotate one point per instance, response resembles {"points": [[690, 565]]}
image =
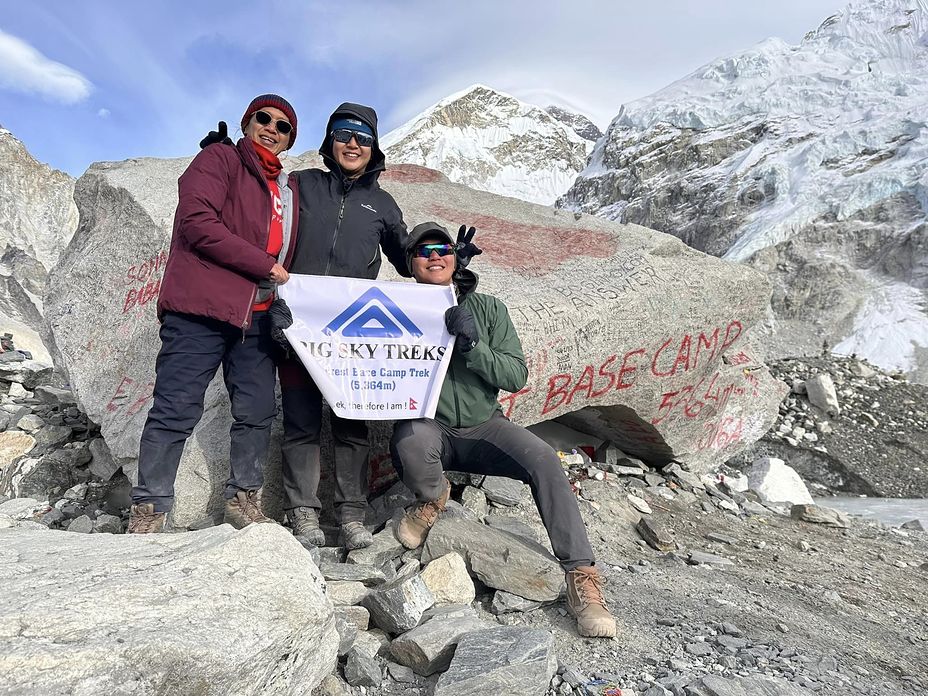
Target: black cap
{"points": [[426, 229], [420, 232]]}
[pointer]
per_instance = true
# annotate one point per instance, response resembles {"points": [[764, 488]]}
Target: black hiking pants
{"points": [[423, 449], [192, 349], [301, 462]]}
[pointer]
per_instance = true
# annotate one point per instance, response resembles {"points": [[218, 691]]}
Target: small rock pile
{"points": [[408, 619], [52, 460], [849, 428]]}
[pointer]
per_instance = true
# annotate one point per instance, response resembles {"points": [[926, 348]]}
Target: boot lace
{"points": [[306, 515], [251, 507], [144, 520], [429, 512], [589, 588]]}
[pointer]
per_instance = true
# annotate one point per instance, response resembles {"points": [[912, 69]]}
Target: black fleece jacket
{"points": [[344, 223]]}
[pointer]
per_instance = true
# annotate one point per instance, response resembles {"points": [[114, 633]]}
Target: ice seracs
{"points": [[809, 162]]}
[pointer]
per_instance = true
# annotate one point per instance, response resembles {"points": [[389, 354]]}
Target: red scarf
{"points": [[269, 162]]}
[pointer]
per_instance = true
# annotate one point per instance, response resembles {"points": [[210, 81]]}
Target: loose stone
{"points": [[655, 535]]}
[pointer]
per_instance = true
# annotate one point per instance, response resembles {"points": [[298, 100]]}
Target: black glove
{"points": [[465, 249], [461, 323], [220, 136], [281, 319]]}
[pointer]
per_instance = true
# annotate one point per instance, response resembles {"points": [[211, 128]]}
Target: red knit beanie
{"points": [[276, 101]]}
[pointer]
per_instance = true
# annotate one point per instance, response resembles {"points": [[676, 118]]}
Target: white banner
{"points": [[376, 350]]}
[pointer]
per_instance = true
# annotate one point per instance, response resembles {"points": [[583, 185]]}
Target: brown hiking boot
{"points": [[586, 602], [244, 509], [412, 529], [144, 520]]}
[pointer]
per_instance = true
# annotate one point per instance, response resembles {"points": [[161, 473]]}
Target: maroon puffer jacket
{"points": [[221, 229]]}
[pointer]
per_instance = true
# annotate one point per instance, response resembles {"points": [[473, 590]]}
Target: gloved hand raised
{"points": [[465, 249], [217, 136], [281, 319], [460, 322]]}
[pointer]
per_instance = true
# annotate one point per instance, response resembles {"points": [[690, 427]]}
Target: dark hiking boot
{"points": [[244, 509], [144, 520], [305, 523], [586, 602], [355, 536], [414, 526]]}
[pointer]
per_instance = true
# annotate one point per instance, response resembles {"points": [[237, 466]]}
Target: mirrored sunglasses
{"points": [[264, 118], [343, 135], [424, 251]]}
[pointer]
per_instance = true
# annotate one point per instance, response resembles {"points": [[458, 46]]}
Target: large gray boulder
{"points": [[504, 660], [428, 648], [210, 612], [500, 560], [624, 328], [744, 686]]}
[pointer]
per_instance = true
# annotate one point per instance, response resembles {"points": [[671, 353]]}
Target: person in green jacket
{"points": [[470, 433]]}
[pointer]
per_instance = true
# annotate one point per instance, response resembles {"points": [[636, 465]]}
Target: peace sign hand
{"points": [[465, 249]]}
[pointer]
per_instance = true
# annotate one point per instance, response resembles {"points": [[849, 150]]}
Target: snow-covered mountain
{"points": [[809, 162], [578, 123], [38, 217], [493, 142]]}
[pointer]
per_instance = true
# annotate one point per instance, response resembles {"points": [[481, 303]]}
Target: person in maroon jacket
{"points": [[234, 234]]}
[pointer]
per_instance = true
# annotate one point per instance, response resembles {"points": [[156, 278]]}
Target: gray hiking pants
{"points": [[423, 449], [301, 465]]}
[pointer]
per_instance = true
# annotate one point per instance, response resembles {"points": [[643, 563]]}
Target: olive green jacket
{"points": [[471, 388]]}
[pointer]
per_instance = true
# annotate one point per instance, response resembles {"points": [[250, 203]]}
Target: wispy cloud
{"points": [[24, 69]]}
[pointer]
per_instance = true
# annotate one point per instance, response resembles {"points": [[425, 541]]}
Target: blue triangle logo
{"points": [[365, 319]]}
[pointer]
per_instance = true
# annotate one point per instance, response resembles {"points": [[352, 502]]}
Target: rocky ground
{"points": [[715, 592], [741, 592], [876, 444]]}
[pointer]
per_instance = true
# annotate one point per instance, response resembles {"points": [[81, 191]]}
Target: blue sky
{"points": [[104, 80]]}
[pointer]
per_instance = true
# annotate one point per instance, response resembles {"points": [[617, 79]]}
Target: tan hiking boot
{"points": [[354, 535], [586, 602], [245, 509], [412, 529], [144, 520]]}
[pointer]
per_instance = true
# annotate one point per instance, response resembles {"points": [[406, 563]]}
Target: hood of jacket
{"points": [[363, 113]]}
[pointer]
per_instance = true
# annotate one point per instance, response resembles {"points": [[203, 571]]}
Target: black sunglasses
{"points": [[424, 251], [343, 135], [264, 118]]}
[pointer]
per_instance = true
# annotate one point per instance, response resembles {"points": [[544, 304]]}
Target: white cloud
{"points": [[24, 69], [103, 113]]}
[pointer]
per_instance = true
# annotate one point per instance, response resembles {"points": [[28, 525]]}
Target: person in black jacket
{"points": [[348, 220], [345, 221]]}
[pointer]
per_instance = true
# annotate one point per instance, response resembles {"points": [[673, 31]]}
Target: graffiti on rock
{"points": [[506, 241], [130, 396], [144, 281]]}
